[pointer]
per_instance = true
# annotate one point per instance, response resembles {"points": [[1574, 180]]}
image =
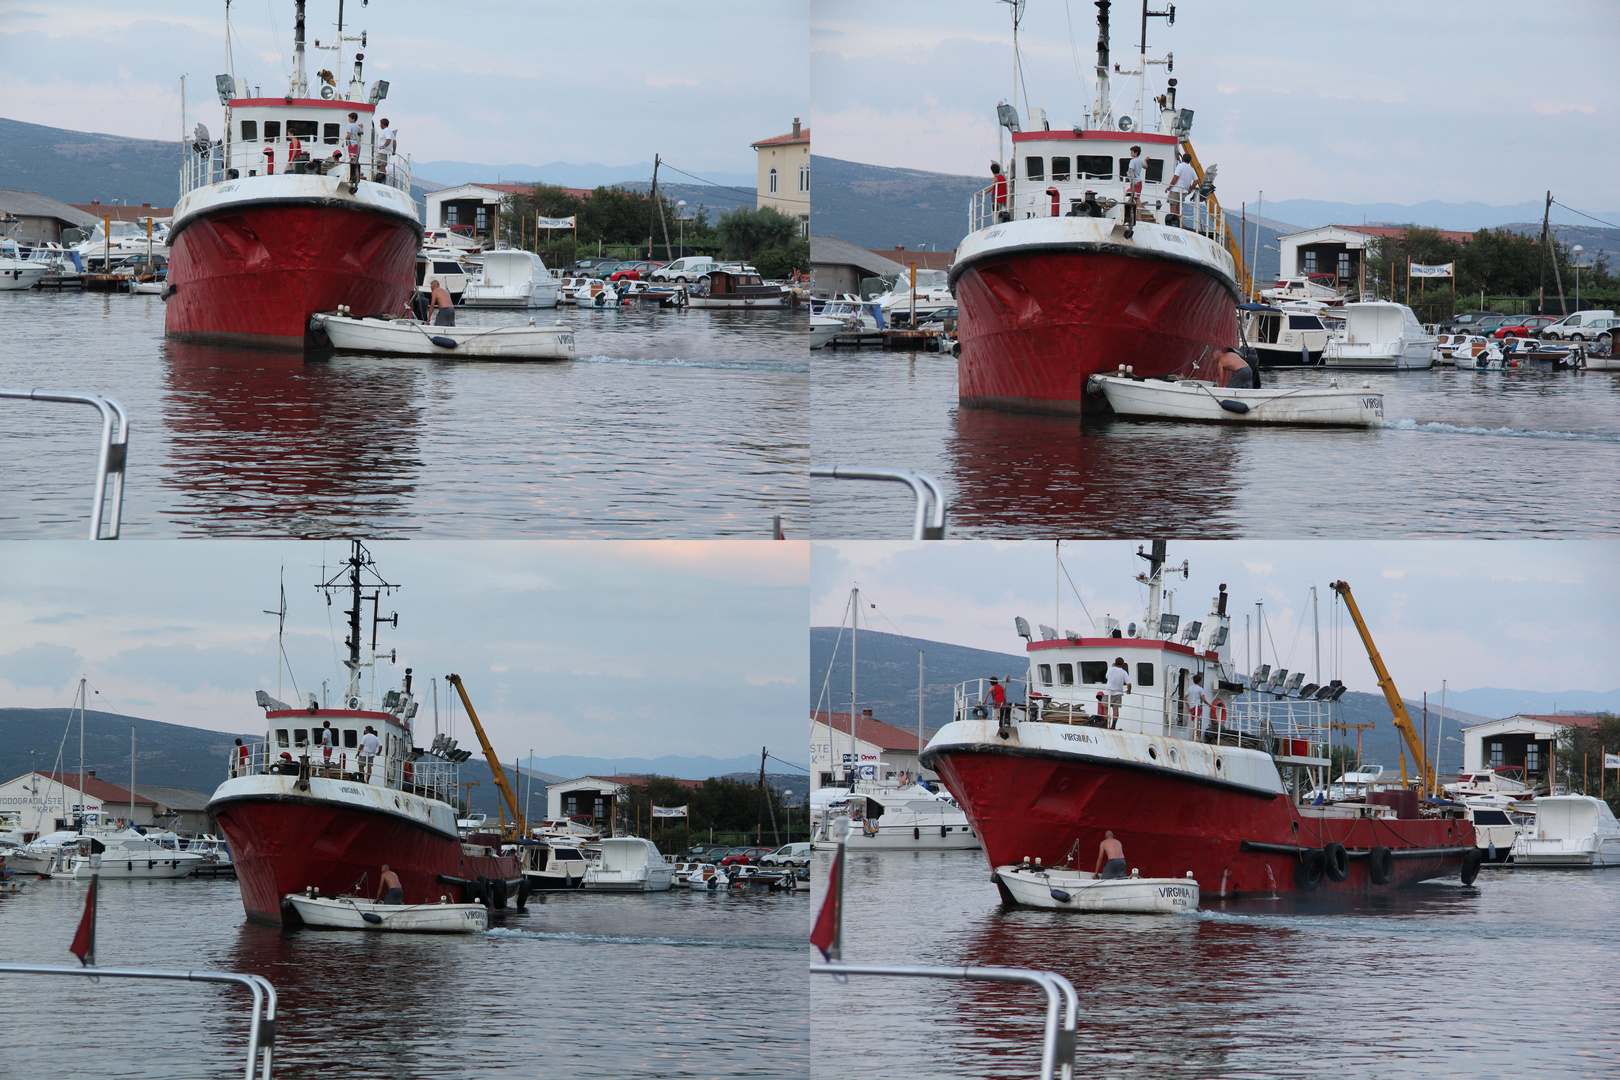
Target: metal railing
{"points": [[203, 170], [1196, 214], [929, 523], [430, 777], [1062, 1005], [111, 458], [261, 1033]]}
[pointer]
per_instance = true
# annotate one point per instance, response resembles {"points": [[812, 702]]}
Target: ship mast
{"points": [[359, 560], [299, 88], [1102, 115]]}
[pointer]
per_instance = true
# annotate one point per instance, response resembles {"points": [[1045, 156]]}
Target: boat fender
{"points": [[1060, 896], [916, 834], [444, 342], [1336, 860], [169, 289], [472, 892], [523, 893], [1381, 865], [1308, 871], [497, 888], [1239, 407], [1470, 865], [943, 829], [371, 917]]}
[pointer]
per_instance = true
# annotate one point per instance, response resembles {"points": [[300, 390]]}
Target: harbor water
{"points": [[669, 424], [678, 984], [1503, 978], [1526, 453]]}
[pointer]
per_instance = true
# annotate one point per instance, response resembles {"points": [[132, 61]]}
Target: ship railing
{"points": [[973, 699], [430, 777], [1030, 199], [262, 1023], [219, 164]]}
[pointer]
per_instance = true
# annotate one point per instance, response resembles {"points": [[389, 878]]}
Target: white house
{"points": [[784, 175], [1518, 740], [877, 750], [477, 206], [50, 801]]}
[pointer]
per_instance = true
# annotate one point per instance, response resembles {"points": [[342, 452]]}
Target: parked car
{"points": [[1603, 330], [744, 856], [637, 271], [1525, 326], [787, 854], [703, 853], [590, 266], [685, 270], [1576, 327], [1466, 323]]}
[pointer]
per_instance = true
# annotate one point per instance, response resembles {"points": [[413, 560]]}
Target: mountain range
{"points": [[563, 174], [887, 684]]}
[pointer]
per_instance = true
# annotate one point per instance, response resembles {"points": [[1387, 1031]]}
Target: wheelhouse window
{"points": [[1304, 322], [351, 738], [303, 129], [1065, 674], [1144, 674], [1094, 167], [1035, 168], [1045, 671], [1155, 171], [329, 134], [1094, 671], [1060, 169], [250, 131], [300, 737], [272, 130], [281, 737]]}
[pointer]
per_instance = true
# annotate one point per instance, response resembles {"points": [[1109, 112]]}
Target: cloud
{"points": [[45, 666], [667, 81]]}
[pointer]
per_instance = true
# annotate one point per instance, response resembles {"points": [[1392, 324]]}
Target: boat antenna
{"points": [[1169, 15], [359, 563], [281, 629], [1017, 7], [82, 696], [1102, 115], [299, 87]]}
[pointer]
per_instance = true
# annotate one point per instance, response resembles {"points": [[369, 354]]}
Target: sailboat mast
{"points": [[854, 657], [81, 752], [919, 705], [132, 776], [1316, 633]]}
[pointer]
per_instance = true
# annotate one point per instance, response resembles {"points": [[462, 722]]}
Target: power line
{"points": [[728, 187], [789, 764], [1584, 214]]}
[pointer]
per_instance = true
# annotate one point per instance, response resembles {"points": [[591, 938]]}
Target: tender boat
{"points": [[511, 279], [409, 337], [1381, 336], [703, 875], [736, 289], [1076, 890], [347, 913], [629, 864], [1571, 831], [1197, 399]]}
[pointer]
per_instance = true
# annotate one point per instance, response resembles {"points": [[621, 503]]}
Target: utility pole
{"points": [[764, 797]]}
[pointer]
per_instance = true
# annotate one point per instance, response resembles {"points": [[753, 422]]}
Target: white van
{"points": [[1578, 327], [685, 270]]}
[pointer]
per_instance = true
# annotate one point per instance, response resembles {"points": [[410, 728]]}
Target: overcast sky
{"points": [[1527, 616], [1381, 100], [597, 648], [491, 82]]}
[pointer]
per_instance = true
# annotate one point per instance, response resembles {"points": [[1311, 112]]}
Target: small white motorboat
{"points": [[348, 913], [1197, 399], [409, 337], [15, 884], [1076, 890], [151, 288]]}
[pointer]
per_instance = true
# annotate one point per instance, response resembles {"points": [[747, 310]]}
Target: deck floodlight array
{"points": [[1022, 625], [1168, 625], [1192, 630], [1048, 633]]}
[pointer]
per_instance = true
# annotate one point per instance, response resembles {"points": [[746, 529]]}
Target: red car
{"points": [[1529, 326], [634, 271], [745, 856]]}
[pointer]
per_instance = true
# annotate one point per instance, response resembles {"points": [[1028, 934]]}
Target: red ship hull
{"points": [[1036, 324], [254, 273], [1025, 806], [285, 845]]}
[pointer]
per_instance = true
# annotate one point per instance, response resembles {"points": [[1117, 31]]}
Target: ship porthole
{"points": [[396, 801], [1153, 753], [1217, 764], [1172, 753]]}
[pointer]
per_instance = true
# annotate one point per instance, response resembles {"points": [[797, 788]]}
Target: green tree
{"points": [[744, 232], [780, 262], [1580, 758]]}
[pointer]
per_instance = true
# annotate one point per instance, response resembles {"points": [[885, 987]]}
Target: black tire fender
{"points": [[1336, 861], [1470, 865], [1308, 871], [497, 893], [1381, 865], [523, 893]]}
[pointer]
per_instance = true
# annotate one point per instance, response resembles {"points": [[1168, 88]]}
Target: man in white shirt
{"points": [[1119, 685], [1135, 173], [352, 136], [1181, 184], [1196, 700], [369, 746], [385, 149]]}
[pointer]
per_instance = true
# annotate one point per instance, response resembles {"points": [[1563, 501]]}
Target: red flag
{"points": [[828, 933], [84, 942]]}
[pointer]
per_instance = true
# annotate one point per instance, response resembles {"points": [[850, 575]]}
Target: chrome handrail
{"points": [[262, 1034], [929, 523], [1062, 1005], [111, 459]]}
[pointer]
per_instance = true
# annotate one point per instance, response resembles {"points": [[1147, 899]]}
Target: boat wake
{"points": [[624, 939], [1408, 424], [792, 365]]}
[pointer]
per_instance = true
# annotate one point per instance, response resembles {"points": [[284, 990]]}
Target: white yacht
{"points": [[933, 293], [1285, 335], [129, 854], [18, 274], [1572, 831], [511, 279], [552, 865], [126, 238], [885, 818], [1381, 336], [629, 864]]}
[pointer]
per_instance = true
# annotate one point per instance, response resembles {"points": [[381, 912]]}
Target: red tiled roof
{"points": [[876, 732], [524, 189], [123, 213], [785, 140], [109, 794], [641, 781], [925, 260], [1400, 230]]}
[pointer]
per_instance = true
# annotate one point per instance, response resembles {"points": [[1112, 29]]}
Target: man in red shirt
{"points": [[997, 698], [998, 182]]}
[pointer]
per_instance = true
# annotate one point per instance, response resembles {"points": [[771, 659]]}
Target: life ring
{"points": [[1308, 871], [1217, 711], [1336, 861], [1381, 865]]}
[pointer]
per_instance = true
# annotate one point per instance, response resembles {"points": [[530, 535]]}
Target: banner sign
{"points": [[669, 811], [554, 223], [1611, 761], [1443, 270]]}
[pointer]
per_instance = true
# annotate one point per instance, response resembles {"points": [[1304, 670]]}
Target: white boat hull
{"points": [[16, 275], [1075, 890], [634, 881], [411, 338], [1414, 355], [338, 914], [135, 867], [1190, 399]]}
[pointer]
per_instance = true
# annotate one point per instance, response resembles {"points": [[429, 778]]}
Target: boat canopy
{"points": [[510, 267], [1375, 323], [1570, 817]]}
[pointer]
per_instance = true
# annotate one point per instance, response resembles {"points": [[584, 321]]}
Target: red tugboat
{"points": [[271, 227], [1215, 792], [297, 818], [1063, 275]]}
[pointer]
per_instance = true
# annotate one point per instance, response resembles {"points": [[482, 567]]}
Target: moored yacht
{"points": [[1381, 336], [629, 864], [892, 818], [511, 279], [1571, 831]]}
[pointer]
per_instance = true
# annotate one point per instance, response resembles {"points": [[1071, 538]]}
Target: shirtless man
{"points": [[1110, 858], [441, 303], [390, 891], [1234, 371]]}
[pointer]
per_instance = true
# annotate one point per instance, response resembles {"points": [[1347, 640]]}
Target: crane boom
{"points": [[1386, 683], [494, 764], [1245, 278]]}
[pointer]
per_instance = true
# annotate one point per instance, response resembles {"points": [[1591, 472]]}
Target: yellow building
{"points": [[784, 175]]}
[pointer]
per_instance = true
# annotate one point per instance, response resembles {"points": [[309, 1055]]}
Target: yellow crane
{"points": [[1403, 723], [1245, 278], [519, 828]]}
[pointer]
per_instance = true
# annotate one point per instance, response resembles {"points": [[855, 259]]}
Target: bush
{"points": [[778, 263]]}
